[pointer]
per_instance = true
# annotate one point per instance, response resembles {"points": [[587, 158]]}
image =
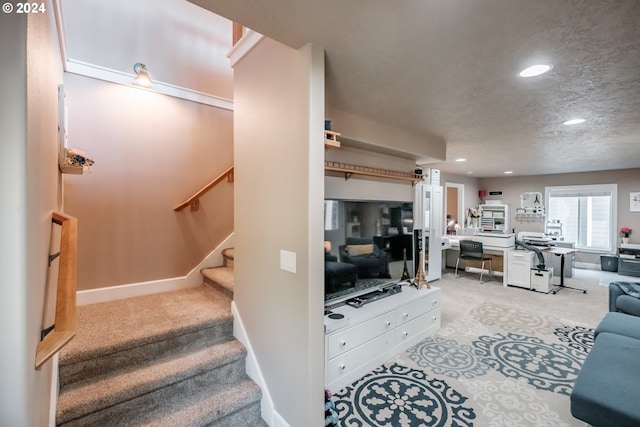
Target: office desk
{"points": [[500, 252], [561, 252]]}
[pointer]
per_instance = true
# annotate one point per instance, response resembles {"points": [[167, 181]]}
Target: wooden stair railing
{"points": [[66, 322], [194, 201]]}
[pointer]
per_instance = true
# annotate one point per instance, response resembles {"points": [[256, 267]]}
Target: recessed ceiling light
{"points": [[508, 172], [535, 70], [574, 122], [461, 160]]}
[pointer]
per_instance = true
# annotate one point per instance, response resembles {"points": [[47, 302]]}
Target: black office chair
{"points": [[472, 251]]}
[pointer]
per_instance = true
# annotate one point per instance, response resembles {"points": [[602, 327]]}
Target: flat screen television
{"points": [[386, 224]]}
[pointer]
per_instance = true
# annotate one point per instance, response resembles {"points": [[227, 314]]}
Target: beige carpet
{"points": [[585, 309], [503, 357], [165, 359]]}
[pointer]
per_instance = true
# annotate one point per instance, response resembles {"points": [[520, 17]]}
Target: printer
{"points": [[534, 238]]}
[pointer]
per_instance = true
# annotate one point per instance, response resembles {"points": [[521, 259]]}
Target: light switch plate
{"points": [[288, 261]]}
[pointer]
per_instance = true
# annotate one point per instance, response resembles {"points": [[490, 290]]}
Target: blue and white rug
{"points": [[494, 366]]}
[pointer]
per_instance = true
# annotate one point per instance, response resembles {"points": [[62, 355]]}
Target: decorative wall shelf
{"points": [[530, 215], [331, 140], [76, 170], [350, 170]]}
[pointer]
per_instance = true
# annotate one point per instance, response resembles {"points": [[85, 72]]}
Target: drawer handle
{"points": [[435, 302], [435, 317], [387, 323], [405, 315], [405, 333], [343, 343], [342, 366]]}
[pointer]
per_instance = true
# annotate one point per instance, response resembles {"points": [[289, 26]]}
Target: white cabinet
{"points": [[376, 331], [520, 264], [495, 218]]}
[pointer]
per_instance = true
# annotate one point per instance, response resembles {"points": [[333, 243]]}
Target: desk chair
{"points": [[472, 251]]}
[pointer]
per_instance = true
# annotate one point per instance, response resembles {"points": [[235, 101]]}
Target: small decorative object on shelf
{"points": [[421, 279], [474, 215], [331, 139], [625, 231], [76, 161], [405, 270]]}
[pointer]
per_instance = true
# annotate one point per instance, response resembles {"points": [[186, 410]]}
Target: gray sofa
{"points": [[624, 297], [373, 264], [607, 388]]}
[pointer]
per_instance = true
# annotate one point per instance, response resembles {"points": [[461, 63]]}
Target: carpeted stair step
{"points": [[228, 257], [220, 278], [140, 392], [132, 332], [166, 359]]}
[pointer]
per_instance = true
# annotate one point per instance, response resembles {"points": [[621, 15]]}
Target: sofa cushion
{"points": [[355, 250], [621, 324], [628, 304], [607, 388]]}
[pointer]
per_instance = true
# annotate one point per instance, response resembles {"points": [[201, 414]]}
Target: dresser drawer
{"points": [[417, 308], [346, 363], [346, 340], [418, 326]]}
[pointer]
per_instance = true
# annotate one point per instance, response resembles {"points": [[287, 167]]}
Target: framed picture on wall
{"points": [[634, 201]]}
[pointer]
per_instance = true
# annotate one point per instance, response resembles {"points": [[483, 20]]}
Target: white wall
{"points": [[279, 193], [151, 153], [13, 262], [30, 184]]}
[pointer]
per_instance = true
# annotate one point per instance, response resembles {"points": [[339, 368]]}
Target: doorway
{"points": [[453, 207]]}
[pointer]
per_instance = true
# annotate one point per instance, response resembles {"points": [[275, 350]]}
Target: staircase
{"points": [[165, 359]]}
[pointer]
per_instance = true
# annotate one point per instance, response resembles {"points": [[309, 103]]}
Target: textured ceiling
{"points": [[449, 68]]}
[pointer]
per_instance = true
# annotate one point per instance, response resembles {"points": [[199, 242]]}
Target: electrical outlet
{"points": [[288, 261]]}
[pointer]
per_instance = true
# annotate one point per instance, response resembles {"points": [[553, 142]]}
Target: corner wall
{"points": [[151, 153], [13, 248], [279, 193], [30, 187]]}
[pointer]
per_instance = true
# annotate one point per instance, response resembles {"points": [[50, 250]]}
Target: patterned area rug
{"points": [[493, 366]]}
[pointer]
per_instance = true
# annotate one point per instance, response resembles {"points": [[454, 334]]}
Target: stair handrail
{"points": [[66, 322], [194, 201]]}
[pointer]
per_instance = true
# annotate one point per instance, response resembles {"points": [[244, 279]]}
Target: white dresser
{"points": [[368, 336]]}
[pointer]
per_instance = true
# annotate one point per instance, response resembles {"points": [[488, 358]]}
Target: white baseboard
{"points": [[53, 403], [192, 279], [269, 413], [587, 266]]}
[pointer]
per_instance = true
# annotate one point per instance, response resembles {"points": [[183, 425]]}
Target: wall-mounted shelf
{"points": [[76, 170], [331, 140], [530, 215], [349, 170]]}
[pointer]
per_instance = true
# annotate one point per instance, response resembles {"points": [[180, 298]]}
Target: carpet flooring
{"points": [[503, 357]]}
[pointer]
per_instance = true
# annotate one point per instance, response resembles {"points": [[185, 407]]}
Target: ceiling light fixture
{"points": [[508, 172], [535, 70], [143, 78], [574, 122], [461, 160]]}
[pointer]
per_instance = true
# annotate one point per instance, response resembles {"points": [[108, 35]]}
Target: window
{"points": [[587, 214]]}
